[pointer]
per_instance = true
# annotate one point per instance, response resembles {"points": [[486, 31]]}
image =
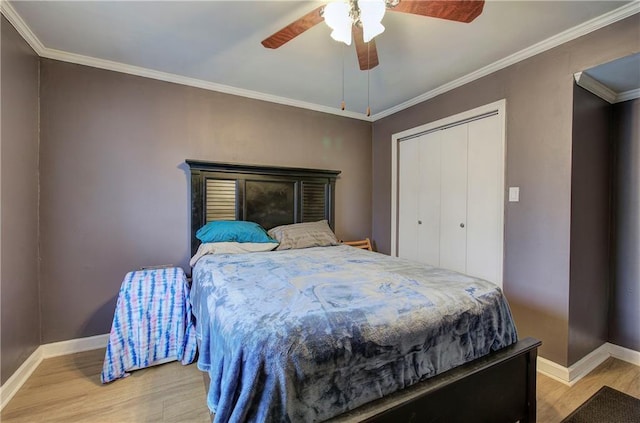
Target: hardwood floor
{"points": [[68, 389]]}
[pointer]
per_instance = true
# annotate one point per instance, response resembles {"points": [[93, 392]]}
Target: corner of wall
{"points": [[39, 256]]}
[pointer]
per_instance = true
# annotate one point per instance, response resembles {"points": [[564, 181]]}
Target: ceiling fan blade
{"points": [[453, 10], [367, 54], [294, 29]]}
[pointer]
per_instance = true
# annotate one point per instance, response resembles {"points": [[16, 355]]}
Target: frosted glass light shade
{"points": [[336, 15], [371, 14]]}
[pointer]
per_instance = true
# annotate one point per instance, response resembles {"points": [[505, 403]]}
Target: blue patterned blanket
{"points": [[305, 335], [152, 323]]}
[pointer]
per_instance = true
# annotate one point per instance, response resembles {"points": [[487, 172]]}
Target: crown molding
{"points": [[12, 16], [596, 87], [628, 95], [594, 24], [193, 82], [551, 42]]}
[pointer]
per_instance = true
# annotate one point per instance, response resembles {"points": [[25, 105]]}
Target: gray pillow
{"points": [[304, 235]]}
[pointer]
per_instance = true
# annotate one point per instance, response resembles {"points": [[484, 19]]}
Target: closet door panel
{"points": [[485, 191], [408, 194], [453, 211], [429, 202]]}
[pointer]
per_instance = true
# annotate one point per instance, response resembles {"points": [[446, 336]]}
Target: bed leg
{"points": [[532, 357]]}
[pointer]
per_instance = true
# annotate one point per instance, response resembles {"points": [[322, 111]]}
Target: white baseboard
{"points": [[19, 377], [73, 346], [553, 370], [625, 354], [586, 364], [570, 375], [55, 349]]}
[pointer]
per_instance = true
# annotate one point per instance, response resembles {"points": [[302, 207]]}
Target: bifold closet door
{"points": [[484, 199], [419, 196], [429, 198], [450, 207], [453, 198], [408, 195]]}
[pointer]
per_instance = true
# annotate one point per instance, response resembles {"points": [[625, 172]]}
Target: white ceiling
{"points": [[216, 44], [621, 76]]}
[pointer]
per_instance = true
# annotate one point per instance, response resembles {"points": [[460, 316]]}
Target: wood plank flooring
{"points": [[557, 400], [68, 389]]}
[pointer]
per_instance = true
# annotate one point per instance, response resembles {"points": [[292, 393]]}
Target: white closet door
{"points": [[485, 196], [408, 194], [429, 198], [453, 218]]}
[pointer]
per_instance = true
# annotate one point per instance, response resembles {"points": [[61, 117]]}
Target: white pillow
{"points": [[230, 248]]}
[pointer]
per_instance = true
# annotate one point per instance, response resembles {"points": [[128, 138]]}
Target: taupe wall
{"points": [[590, 224], [624, 326], [20, 317], [539, 94], [114, 187]]}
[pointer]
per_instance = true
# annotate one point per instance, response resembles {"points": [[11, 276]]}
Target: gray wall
{"points": [[539, 93], [114, 187], [624, 326], [590, 228], [20, 316]]}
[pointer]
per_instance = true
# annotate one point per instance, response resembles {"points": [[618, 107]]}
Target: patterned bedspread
{"points": [[152, 323], [305, 335]]}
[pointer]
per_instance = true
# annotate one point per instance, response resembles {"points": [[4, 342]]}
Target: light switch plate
{"points": [[514, 194]]}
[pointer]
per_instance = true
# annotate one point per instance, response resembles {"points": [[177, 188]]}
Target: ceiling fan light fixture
{"points": [[336, 16], [371, 14]]}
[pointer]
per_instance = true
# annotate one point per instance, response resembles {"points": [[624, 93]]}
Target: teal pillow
{"points": [[233, 231]]}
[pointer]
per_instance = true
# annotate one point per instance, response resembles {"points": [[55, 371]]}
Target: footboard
{"points": [[500, 387]]}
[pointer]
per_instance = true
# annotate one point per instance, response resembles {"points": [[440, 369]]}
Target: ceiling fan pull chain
{"points": [[342, 105], [368, 82]]}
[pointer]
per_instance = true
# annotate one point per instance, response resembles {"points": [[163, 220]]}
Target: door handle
{"points": [[462, 225]]}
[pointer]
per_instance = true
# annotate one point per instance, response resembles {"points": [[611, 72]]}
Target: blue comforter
{"points": [[305, 335]]}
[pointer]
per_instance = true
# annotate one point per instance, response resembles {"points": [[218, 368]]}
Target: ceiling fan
{"points": [[454, 10]]}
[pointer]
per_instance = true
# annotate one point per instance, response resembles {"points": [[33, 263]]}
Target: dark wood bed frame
{"points": [[499, 387]]}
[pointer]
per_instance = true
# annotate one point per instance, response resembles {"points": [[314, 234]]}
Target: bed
{"points": [[340, 333]]}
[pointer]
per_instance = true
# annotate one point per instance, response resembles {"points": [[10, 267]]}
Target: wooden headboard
{"points": [[267, 195]]}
